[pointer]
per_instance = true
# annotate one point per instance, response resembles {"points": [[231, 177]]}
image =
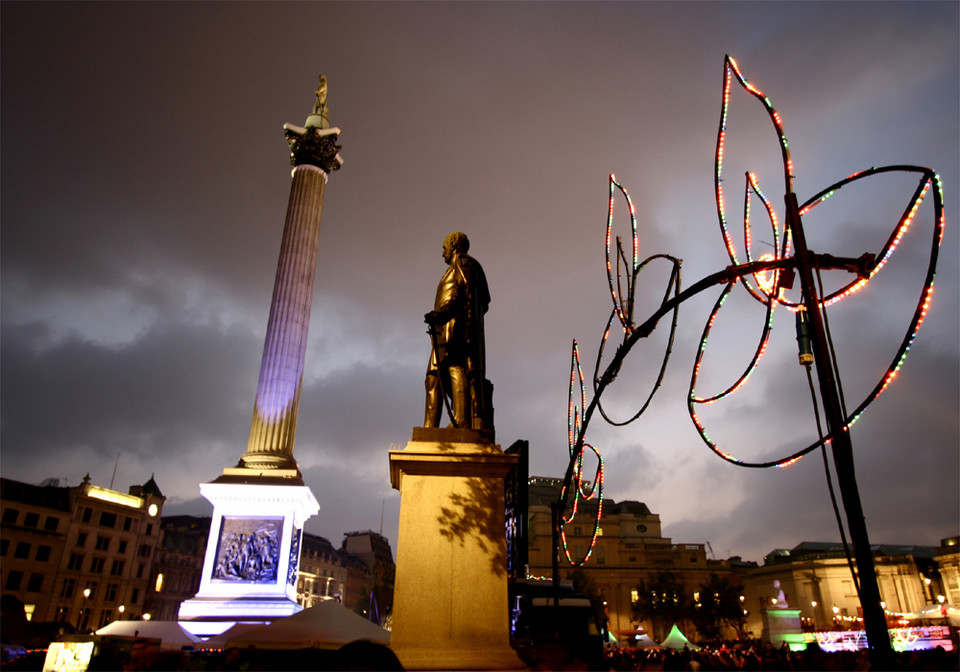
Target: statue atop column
{"points": [[320, 108], [456, 372]]}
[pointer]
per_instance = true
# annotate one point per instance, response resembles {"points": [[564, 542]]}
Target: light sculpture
{"points": [[765, 280]]}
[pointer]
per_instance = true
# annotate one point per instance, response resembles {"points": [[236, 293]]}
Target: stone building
{"points": [[373, 550], [175, 574], [630, 549], [322, 574], [816, 579], [80, 555], [948, 560]]}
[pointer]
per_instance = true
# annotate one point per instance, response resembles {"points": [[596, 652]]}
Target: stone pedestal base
{"points": [[253, 551], [782, 625], [450, 606]]}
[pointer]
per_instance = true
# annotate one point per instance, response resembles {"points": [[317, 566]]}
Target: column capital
{"points": [[314, 146]]}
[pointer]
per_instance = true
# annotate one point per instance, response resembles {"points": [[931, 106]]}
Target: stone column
{"points": [[314, 154]]}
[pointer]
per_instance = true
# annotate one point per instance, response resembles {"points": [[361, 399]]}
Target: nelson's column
{"points": [[260, 506]]}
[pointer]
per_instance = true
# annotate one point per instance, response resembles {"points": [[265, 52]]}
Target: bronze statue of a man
{"points": [[457, 367]]}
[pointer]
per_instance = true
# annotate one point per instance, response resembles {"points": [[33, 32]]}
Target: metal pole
{"points": [[874, 621], [555, 520]]}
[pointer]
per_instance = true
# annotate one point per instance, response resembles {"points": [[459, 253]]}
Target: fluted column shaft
{"points": [[274, 425]]}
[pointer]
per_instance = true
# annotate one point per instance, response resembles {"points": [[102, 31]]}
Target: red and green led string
{"points": [[773, 295]]}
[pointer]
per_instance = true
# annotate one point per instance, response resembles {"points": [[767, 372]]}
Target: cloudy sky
{"points": [[145, 178]]}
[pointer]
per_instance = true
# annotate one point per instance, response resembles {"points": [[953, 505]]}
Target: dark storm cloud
{"points": [[178, 390], [145, 177]]}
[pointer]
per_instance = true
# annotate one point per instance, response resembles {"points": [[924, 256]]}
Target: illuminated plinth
{"points": [[253, 551], [450, 595], [782, 625]]}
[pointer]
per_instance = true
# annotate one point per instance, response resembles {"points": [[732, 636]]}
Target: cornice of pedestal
{"points": [[314, 147], [449, 459]]}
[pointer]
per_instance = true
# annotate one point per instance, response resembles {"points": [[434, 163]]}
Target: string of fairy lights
{"points": [[765, 279]]}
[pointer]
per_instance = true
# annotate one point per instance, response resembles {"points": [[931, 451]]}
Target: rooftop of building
{"points": [[47, 496], [819, 550], [544, 491]]}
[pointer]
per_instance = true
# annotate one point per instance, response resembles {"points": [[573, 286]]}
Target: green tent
{"points": [[676, 640]]}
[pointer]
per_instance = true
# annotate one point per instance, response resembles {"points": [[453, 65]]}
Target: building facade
{"points": [[322, 574], [629, 550], [376, 584], [948, 560], [80, 555], [175, 574], [816, 579]]}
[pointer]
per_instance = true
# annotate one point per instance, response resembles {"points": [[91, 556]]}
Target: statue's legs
{"points": [[477, 401], [455, 386], [459, 396], [434, 402]]}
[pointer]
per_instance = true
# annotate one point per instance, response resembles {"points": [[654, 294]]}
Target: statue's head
{"points": [[456, 242]]}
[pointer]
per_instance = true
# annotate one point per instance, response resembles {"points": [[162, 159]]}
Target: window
{"points": [[135, 595], [117, 568], [31, 519], [4, 545], [127, 522], [149, 529], [103, 543], [96, 565], [43, 553], [122, 547], [69, 585], [84, 619], [51, 523], [140, 572], [87, 514], [111, 595], [34, 583], [158, 586], [108, 519], [10, 515], [91, 590], [144, 551], [23, 550], [106, 616], [82, 539], [634, 596], [76, 559], [13, 580], [63, 613]]}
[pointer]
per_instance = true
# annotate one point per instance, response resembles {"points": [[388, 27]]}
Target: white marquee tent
{"points": [[327, 625]]}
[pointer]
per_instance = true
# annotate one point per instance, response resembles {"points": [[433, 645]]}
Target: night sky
{"points": [[145, 179]]}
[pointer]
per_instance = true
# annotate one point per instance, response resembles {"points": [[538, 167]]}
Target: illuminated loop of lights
{"points": [[616, 293], [575, 490], [623, 305], [767, 287], [769, 294]]}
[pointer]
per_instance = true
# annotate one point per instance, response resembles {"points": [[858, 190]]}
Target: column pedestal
{"points": [[253, 551], [450, 606]]}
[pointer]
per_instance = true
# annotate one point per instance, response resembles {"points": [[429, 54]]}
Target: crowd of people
{"points": [[757, 655]]}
